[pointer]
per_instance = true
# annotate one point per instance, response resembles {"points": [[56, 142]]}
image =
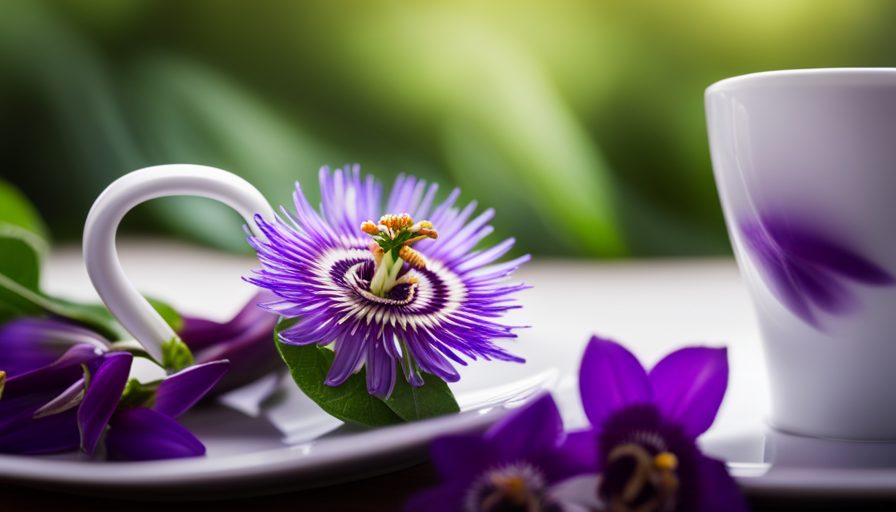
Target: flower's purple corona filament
{"points": [[361, 286], [807, 270]]}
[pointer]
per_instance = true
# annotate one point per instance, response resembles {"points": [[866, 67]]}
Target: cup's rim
{"points": [[802, 77]]}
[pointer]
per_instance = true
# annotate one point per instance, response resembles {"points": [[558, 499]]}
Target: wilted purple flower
{"points": [[27, 344], [69, 404], [362, 286], [510, 467], [806, 269], [22, 430], [246, 341], [644, 428]]}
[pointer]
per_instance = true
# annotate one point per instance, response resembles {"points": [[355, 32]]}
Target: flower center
{"points": [[636, 481], [516, 487], [391, 247]]}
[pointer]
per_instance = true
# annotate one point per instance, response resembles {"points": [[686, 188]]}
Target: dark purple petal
{"points": [[576, 455], [27, 344], [50, 434], [144, 434], [103, 394], [611, 378], [25, 394], [448, 497], [717, 490], [689, 385], [534, 429], [179, 392], [461, 457]]}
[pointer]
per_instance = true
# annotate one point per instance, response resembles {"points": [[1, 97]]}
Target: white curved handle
{"points": [[101, 257]]}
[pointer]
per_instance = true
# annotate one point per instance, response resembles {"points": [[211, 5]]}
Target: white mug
{"points": [[805, 164]]}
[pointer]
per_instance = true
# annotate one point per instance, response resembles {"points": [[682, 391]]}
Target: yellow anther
{"points": [[665, 461], [429, 233], [370, 228], [2, 382], [513, 488], [397, 222], [414, 258]]}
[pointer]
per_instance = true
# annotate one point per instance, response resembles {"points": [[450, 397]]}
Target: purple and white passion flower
{"points": [[407, 288]]}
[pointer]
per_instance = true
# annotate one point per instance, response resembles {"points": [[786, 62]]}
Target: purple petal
{"points": [[535, 428], [25, 394], [25, 435], [689, 385], [199, 333], [27, 344], [460, 457], [179, 392], [144, 434], [103, 394], [380, 371], [611, 378], [576, 455], [717, 490]]}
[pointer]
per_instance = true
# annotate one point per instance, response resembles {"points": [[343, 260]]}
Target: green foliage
{"points": [[350, 401], [433, 398]]}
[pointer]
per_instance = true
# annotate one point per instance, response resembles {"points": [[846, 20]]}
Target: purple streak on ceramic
{"points": [[529, 438], [808, 271], [247, 341], [662, 412]]}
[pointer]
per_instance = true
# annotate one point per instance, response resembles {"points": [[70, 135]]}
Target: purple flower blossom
{"points": [[361, 286], [510, 467], [644, 428], [74, 401], [27, 344], [246, 341], [807, 270]]}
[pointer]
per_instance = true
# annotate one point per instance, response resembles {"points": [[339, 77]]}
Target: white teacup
{"points": [[805, 164]]}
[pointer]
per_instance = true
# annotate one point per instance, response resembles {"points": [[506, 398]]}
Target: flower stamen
{"points": [[391, 248], [636, 481]]}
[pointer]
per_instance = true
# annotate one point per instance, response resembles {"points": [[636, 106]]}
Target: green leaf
{"points": [[433, 398], [348, 402], [17, 211], [171, 317]]}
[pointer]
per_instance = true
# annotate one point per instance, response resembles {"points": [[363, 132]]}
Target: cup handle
{"points": [[101, 256]]}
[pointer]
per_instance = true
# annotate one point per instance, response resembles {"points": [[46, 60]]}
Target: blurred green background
{"points": [[580, 121]]}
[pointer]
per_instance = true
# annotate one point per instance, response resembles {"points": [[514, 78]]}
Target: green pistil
{"points": [[137, 394], [386, 274]]}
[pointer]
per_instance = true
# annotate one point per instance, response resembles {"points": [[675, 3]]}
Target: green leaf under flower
{"points": [[350, 402]]}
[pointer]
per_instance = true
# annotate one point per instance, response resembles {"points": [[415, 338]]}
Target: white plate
{"points": [[653, 307]]}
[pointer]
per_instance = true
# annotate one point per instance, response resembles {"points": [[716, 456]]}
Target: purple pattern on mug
{"points": [[807, 270]]}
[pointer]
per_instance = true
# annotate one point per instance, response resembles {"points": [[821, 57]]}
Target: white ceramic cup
{"points": [[805, 164]]}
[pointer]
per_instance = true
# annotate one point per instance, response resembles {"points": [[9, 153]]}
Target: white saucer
{"points": [[653, 307]]}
